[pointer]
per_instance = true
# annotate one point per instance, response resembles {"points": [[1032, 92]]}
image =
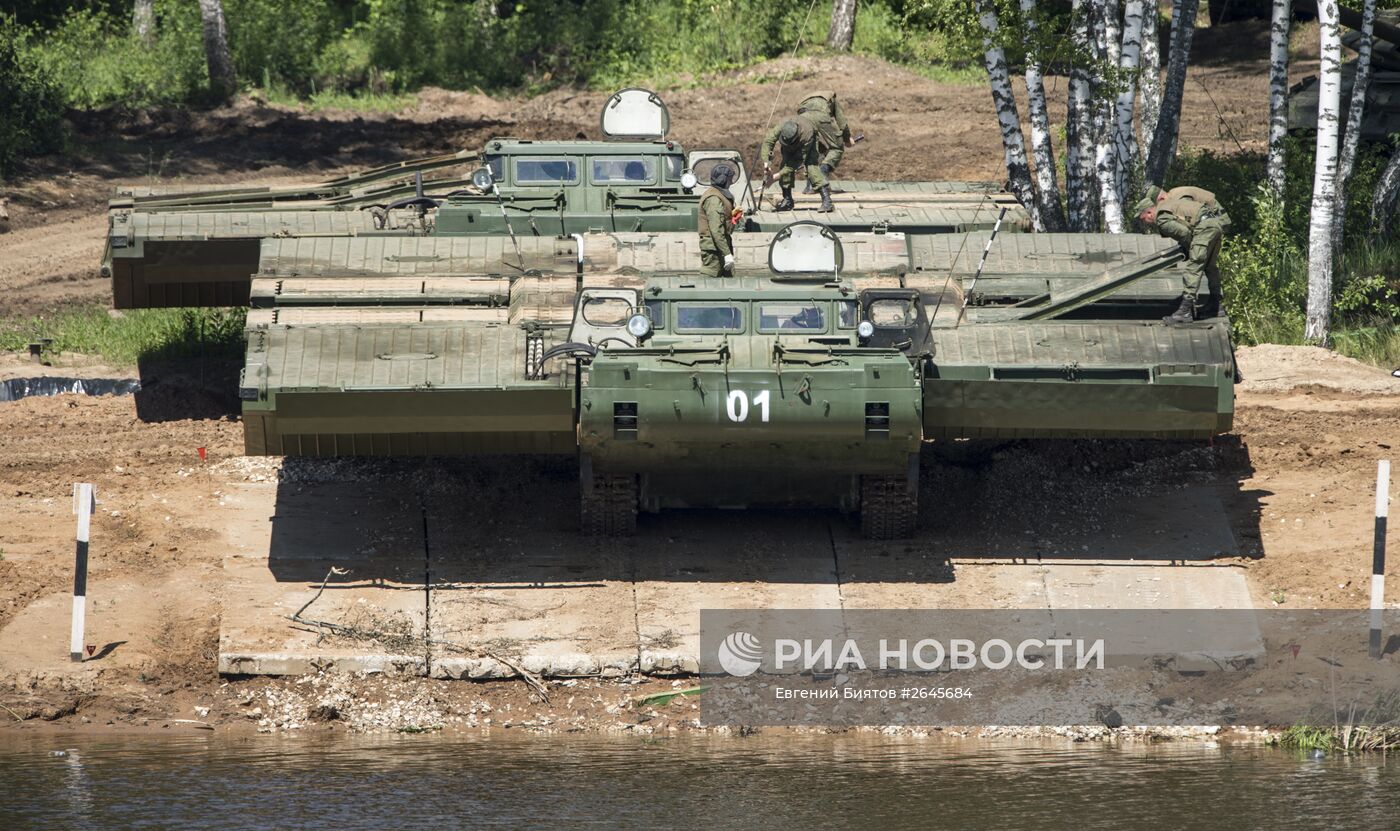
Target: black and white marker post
{"points": [[1378, 555], [83, 499]]}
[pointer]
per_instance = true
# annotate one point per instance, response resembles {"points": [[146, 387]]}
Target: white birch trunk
{"points": [[1150, 80], [222, 79], [1360, 87], [1105, 155], [1278, 91], [143, 21], [1078, 129], [1128, 62], [1383, 202], [1329, 104], [1042, 148], [1018, 171], [1163, 148], [843, 25]]}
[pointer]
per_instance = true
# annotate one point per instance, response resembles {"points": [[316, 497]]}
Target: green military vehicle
{"points": [[813, 377], [1381, 118], [178, 246]]}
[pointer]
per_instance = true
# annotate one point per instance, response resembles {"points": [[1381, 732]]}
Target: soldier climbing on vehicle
{"points": [[716, 220], [1193, 218], [796, 141], [833, 132]]}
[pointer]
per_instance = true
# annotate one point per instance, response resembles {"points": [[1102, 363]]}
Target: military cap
{"points": [[789, 132], [722, 176], [1148, 200]]}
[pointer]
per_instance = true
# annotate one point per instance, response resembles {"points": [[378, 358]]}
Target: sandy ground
{"points": [[915, 128], [1295, 480]]}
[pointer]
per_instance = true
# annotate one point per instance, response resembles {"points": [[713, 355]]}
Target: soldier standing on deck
{"points": [[833, 132], [717, 224], [1193, 218], [796, 141]]}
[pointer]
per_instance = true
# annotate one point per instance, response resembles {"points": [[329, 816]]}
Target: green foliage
{"points": [[30, 100], [130, 336], [99, 63], [1259, 273]]}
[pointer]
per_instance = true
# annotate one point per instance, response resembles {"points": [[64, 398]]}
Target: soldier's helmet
{"points": [[788, 134], [722, 176]]}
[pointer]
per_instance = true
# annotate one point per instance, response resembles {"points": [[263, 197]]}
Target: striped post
{"points": [[83, 499], [1378, 555]]}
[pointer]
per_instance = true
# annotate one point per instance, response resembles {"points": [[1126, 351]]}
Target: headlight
{"points": [[865, 330], [639, 326], [688, 180]]}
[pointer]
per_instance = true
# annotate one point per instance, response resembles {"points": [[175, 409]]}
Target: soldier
{"points": [[1193, 218], [796, 139], [833, 133], [717, 224]]}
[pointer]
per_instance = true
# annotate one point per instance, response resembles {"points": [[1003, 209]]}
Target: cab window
{"points": [[709, 317], [802, 317], [847, 313], [606, 311], [656, 309], [497, 166], [546, 172], [892, 313], [675, 165], [615, 170]]}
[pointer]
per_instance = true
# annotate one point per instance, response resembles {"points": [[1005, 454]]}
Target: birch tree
{"points": [[1387, 191], [222, 80], [1356, 111], [1018, 172], [1128, 61], [1329, 104], [1043, 151], [1163, 148], [1278, 91], [843, 25], [1106, 49], [143, 21], [1078, 128], [1151, 80]]}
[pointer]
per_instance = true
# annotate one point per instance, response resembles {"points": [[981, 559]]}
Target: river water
{"points": [[194, 781]]}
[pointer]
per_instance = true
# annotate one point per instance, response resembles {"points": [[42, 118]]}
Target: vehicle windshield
{"points": [[546, 172], [624, 171], [710, 317], [606, 311], [805, 317], [892, 313]]}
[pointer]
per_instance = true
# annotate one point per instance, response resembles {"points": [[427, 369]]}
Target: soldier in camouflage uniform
{"points": [[833, 132], [717, 224], [796, 140], [1193, 218]]}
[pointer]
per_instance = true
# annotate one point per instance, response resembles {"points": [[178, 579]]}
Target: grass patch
{"points": [[128, 337]]}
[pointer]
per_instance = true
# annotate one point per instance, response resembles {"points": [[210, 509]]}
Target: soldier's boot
{"points": [[785, 204], [807, 189], [826, 207], [1183, 313]]}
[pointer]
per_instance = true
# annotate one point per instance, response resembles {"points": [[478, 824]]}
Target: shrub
{"points": [[31, 103]]}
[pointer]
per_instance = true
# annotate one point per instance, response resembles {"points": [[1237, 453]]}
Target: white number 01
{"points": [[737, 405]]}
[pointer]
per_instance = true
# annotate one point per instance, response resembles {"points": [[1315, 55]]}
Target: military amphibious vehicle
{"points": [[1381, 118], [812, 377]]}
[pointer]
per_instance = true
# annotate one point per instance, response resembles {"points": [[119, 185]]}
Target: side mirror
{"points": [[688, 180], [482, 178]]}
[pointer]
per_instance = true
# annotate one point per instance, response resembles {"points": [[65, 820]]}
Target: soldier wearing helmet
{"points": [[1193, 218], [796, 142], [716, 218]]}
